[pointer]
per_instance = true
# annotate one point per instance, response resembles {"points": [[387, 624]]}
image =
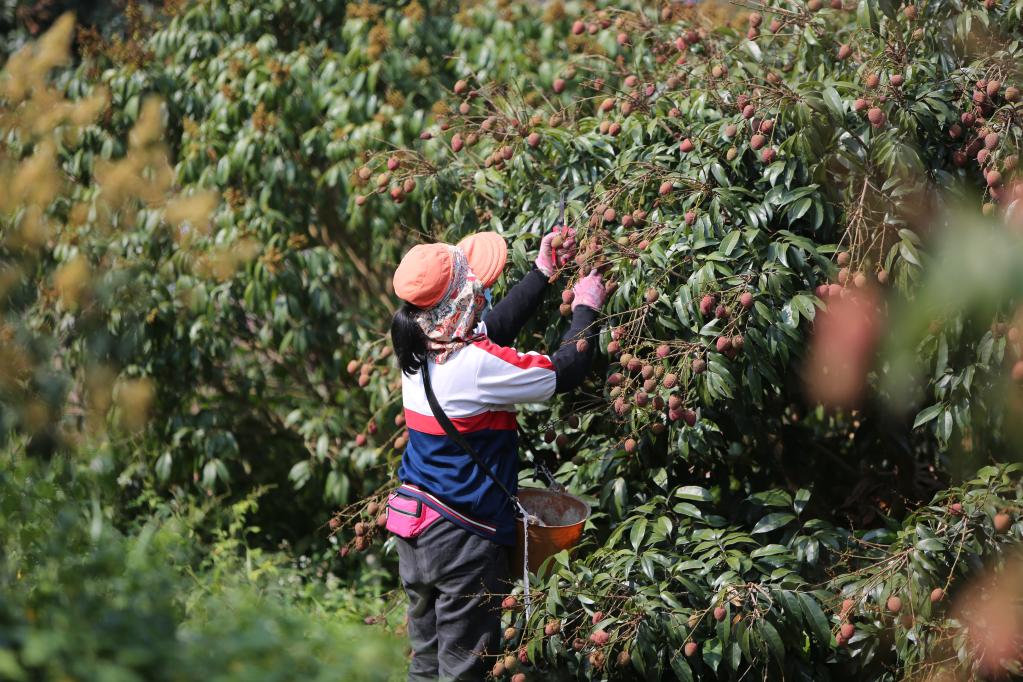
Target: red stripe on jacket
{"points": [[494, 420], [513, 357]]}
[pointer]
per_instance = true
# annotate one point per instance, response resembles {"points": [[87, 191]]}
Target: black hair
{"points": [[408, 339]]}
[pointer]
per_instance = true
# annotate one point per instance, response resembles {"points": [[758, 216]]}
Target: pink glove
{"points": [[551, 258], [589, 291]]}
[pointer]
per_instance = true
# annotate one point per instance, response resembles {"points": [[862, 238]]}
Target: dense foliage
{"points": [[196, 260]]}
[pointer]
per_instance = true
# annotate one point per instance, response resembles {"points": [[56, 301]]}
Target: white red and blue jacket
{"points": [[478, 388]]}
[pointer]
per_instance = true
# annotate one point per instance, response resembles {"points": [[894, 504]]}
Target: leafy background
{"points": [[199, 226]]}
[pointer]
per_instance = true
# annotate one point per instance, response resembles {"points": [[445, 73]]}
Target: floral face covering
{"points": [[450, 325]]}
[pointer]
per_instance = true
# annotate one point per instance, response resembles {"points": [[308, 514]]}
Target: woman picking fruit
{"points": [[454, 522]]}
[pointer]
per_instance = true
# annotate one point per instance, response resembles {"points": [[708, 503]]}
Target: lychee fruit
{"points": [[686, 146], [937, 594], [691, 648], [1002, 522], [894, 604], [719, 613]]}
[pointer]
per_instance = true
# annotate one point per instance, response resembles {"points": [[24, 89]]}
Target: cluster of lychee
{"points": [[396, 181], [643, 384], [365, 370], [370, 524], [595, 645], [848, 279], [982, 130], [761, 132]]}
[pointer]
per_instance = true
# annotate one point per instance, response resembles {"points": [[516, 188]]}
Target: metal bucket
{"points": [[563, 516]]}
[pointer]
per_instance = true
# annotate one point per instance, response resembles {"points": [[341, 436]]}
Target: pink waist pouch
{"points": [[408, 517]]}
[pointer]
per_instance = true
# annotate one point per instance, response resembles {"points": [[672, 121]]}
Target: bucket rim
{"points": [[547, 491]]}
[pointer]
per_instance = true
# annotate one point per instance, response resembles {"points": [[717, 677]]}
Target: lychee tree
{"points": [[731, 186]]}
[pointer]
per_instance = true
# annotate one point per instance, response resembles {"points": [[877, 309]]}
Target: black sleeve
{"points": [[571, 365], [506, 318]]}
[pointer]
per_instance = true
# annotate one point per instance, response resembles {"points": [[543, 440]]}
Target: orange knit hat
{"points": [[423, 275], [487, 253], [425, 272]]}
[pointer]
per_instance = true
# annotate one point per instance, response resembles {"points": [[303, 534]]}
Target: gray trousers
{"points": [[454, 580]]}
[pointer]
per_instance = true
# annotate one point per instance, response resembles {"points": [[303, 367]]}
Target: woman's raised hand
{"points": [[557, 248], [589, 291]]}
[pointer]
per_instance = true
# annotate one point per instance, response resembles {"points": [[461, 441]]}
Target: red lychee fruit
{"points": [[600, 637], [876, 117], [690, 217], [937, 594], [691, 648], [872, 80], [707, 305], [894, 604], [651, 295], [719, 613], [757, 141], [910, 12], [669, 380], [360, 440], [768, 155], [699, 366], [578, 27], [665, 188], [844, 51], [1002, 522], [746, 300], [686, 146], [723, 344], [847, 630], [663, 350]]}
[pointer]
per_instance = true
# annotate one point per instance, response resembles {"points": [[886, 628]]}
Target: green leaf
{"points": [[773, 522], [693, 492], [815, 617], [927, 414], [773, 639]]}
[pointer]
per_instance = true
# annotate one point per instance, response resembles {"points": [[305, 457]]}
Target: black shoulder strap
{"points": [[454, 435]]}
